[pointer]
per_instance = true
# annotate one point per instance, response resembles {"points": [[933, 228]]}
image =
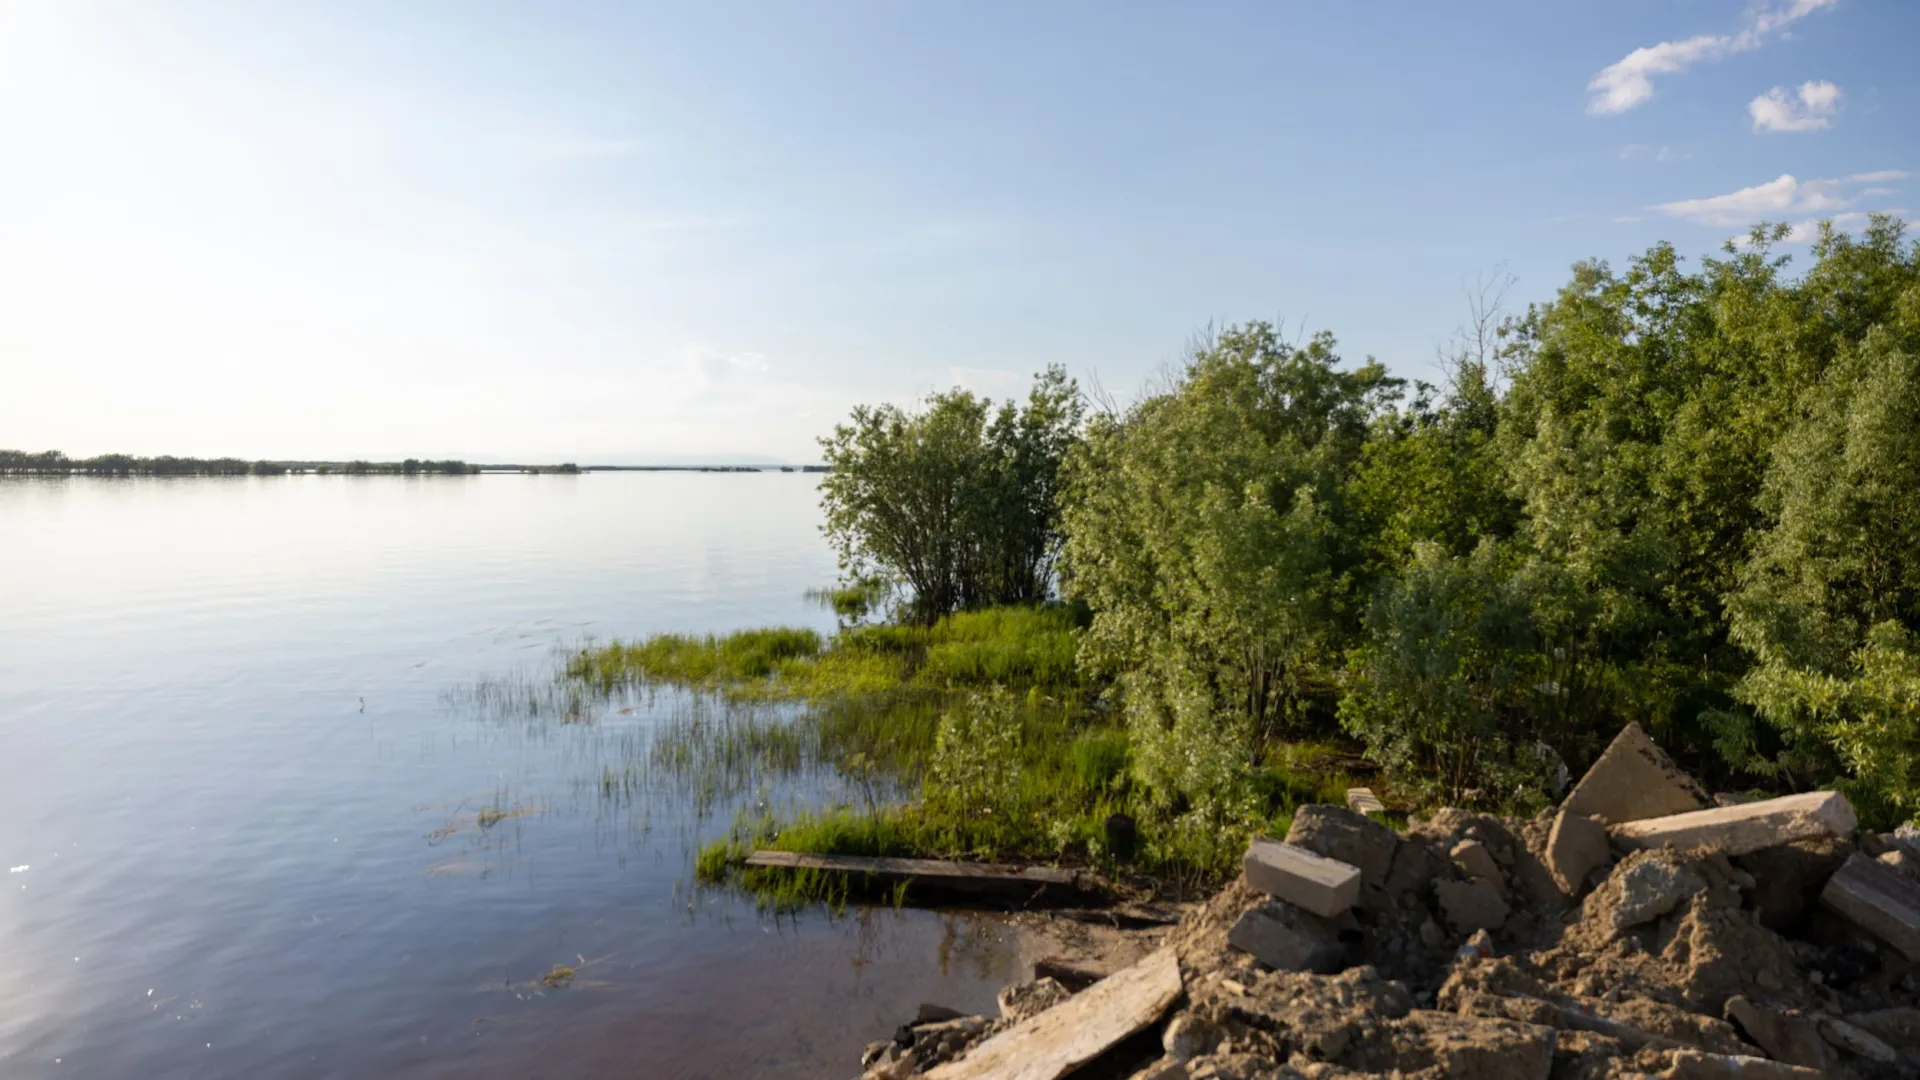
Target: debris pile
{"points": [[1642, 929]]}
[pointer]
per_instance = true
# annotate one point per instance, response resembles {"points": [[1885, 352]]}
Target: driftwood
{"points": [[1024, 884]]}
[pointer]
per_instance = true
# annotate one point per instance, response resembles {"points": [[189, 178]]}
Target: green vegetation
{"points": [[1686, 498], [956, 502]]}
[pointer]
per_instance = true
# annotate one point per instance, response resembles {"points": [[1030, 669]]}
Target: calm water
{"points": [[239, 818]]}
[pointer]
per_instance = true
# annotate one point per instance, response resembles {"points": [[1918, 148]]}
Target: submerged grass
{"points": [[975, 738]]}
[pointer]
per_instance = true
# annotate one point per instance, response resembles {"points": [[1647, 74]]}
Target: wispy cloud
{"points": [[1786, 197], [1635, 151], [1810, 108], [1881, 177], [1628, 82]]}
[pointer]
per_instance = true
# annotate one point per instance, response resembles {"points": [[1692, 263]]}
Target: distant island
{"points": [[55, 463]]}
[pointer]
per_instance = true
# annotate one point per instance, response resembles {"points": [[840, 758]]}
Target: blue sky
{"points": [[587, 230]]}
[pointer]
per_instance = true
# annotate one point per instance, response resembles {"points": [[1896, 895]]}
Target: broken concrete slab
{"points": [[1750, 827], [1695, 1065], [1303, 878], [1472, 905], [1878, 899], [1576, 847], [1789, 1037], [1061, 1039], [1266, 934], [1857, 1042], [1634, 780], [1473, 859], [1899, 1026], [1355, 839], [1363, 801], [1648, 886]]}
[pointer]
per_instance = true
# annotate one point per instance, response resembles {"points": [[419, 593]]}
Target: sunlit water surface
{"points": [[240, 819]]}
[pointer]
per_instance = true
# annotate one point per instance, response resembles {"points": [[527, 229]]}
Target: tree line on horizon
{"points": [[55, 463], [1686, 497]]}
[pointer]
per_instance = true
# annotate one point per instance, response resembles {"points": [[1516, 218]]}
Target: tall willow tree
{"points": [[1204, 530], [956, 501]]}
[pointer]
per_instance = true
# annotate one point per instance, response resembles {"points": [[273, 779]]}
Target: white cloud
{"points": [[1872, 191], [1880, 177], [1811, 108], [1628, 82], [1782, 197]]}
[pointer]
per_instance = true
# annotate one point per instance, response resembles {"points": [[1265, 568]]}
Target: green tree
{"points": [[955, 501], [1204, 531]]}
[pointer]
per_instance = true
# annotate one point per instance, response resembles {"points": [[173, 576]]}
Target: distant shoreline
{"points": [[55, 463]]}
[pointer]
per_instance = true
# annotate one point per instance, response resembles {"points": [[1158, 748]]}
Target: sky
{"points": [[600, 231]]}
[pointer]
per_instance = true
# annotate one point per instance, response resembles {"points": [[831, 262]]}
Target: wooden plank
{"points": [[937, 874], [1053, 1043]]}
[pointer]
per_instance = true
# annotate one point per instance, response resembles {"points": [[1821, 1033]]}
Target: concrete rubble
{"points": [[1632, 932]]}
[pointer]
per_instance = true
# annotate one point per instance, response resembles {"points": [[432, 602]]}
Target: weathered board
{"points": [[980, 879], [1053, 1043]]}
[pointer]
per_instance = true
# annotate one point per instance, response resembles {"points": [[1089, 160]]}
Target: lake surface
{"points": [[241, 804]]}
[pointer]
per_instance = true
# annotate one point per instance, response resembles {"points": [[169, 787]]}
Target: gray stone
{"points": [[1355, 839], [1788, 1037], [1265, 934], [1696, 1065], [1856, 1042], [1472, 905], [1576, 847], [1634, 779], [1899, 1026], [1649, 887], [1475, 861], [1738, 830], [1878, 899], [1188, 1037], [1363, 801], [1021, 1000], [1303, 878]]}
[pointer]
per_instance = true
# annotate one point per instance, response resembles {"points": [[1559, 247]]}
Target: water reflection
{"points": [[260, 843]]}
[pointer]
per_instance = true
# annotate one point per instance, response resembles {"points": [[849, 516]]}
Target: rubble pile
{"points": [[1641, 929]]}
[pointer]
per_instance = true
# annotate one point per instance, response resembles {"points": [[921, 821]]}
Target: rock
{"points": [[1313, 882], [1907, 839], [1355, 839], [1695, 1065], [1788, 879], [1633, 780], [1899, 1026], [1649, 886], [1737, 830], [1576, 847], [1074, 977], [1475, 861], [1021, 1000], [1188, 1037], [1269, 936], [1472, 905], [933, 1014], [1477, 1048], [1363, 801], [1856, 1042], [1165, 1068], [1898, 859], [1878, 899], [1787, 1037]]}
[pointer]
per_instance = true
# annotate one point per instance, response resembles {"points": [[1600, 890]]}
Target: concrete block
{"points": [[1737, 830], [1308, 881], [1472, 905], [1878, 899], [1576, 847], [1355, 839], [1267, 937], [1633, 780], [1695, 1065], [1474, 860], [1363, 801]]}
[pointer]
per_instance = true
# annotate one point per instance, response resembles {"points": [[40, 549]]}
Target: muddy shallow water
{"points": [[248, 830]]}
